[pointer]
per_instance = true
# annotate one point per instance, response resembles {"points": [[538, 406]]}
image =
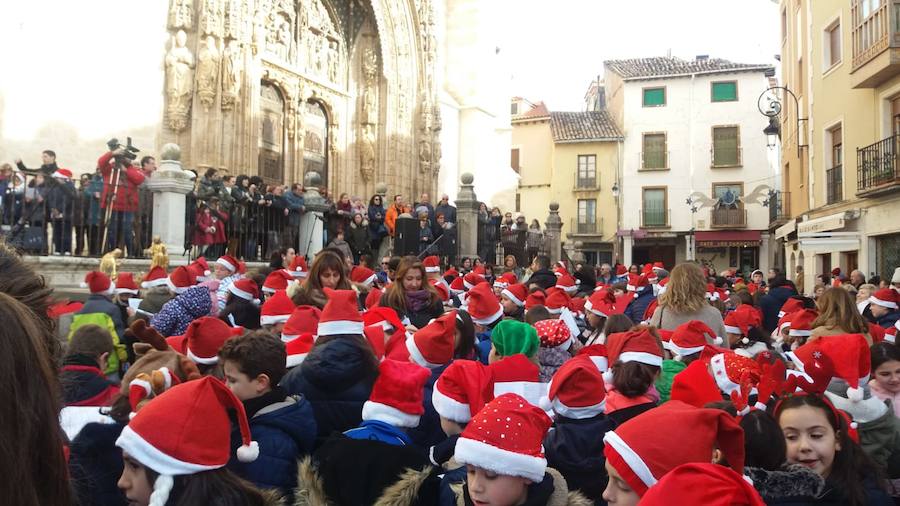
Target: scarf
{"points": [[417, 300], [254, 405]]}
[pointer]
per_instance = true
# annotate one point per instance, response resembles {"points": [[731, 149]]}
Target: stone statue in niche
{"points": [[425, 154], [278, 39], [179, 82], [427, 116], [181, 14], [212, 19], [236, 20], [231, 74], [367, 153], [333, 61], [284, 38], [436, 154], [370, 92], [208, 72], [321, 55], [260, 31]]}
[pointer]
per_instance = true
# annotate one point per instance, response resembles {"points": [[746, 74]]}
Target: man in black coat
{"points": [[541, 275]]}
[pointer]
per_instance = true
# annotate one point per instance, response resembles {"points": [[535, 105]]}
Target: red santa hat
{"points": [[397, 394], [276, 309], [658, 266], [557, 299], [63, 174], [125, 283], [432, 345], [298, 267], [784, 322], [636, 282], [482, 305], [479, 269], [196, 270], [695, 386], [801, 322], [204, 338], [742, 319], [140, 389], [890, 334], [203, 264], [277, 280], [886, 297], [634, 346], [691, 337], [621, 270], [303, 320], [517, 374], [432, 264], [598, 355], [730, 370], [472, 279], [229, 262], [457, 286], [576, 390], [98, 283], [384, 317], [650, 273], [156, 277], [602, 304], [537, 298], [373, 298], [450, 273], [517, 293], [246, 289], [340, 315], [553, 333], [461, 390], [506, 438], [642, 454], [703, 483], [187, 430], [180, 280], [791, 305], [441, 287], [297, 348], [567, 284], [848, 353], [560, 269], [662, 286], [362, 275]]}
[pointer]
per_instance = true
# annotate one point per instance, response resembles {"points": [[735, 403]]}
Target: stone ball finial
{"points": [[313, 179], [381, 188], [554, 206], [467, 178], [170, 151]]}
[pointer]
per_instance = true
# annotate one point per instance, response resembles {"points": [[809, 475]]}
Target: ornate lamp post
{"points": [[769, 105]]}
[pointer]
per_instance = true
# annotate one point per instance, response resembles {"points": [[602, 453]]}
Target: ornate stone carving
{"points": [[231, 74], [279, 39], [367, 153], [179, 82], [237, 20], [212, 19], [370, 92], [208, 72], [181, 14], [425, 154], [334, 60]]}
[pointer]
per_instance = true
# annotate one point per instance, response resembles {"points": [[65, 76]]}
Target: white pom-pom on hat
{"points": [[248, 453], [855, 394]]}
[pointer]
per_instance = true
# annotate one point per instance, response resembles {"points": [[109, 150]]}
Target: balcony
{"points": [[877, 170], [728, 218], [581, 227], [876, 43], [779, 208], [724, 158], [656, 218], [587, 184], [834, 185], [654, 160]]}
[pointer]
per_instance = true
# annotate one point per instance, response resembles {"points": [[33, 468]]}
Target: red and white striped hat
{"points": [[577, 390], [397, 394], [341, 314], [482, 305], [886, 297], [156, 277], [246, 289], [516, 292], [98, 283], [362, 275], [432, 345], [187, 430], [276, 309], [303, 320], [432, 264], [297, 349], [180, 280], [462, 390], [277, 280], [298, 267], [204, 338], [125, 283], [229, 262]]}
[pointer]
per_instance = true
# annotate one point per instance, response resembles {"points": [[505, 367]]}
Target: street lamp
{"points": [[771, 108], [615, 189]]}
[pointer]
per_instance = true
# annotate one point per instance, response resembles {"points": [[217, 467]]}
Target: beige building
{"points": [[840, 151], [572, 158]]}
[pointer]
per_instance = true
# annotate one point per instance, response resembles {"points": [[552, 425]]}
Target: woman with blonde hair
{"points": [[412, 296], [838, 314], [685, 300]]}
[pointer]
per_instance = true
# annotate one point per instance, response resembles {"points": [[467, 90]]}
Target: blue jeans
{"points": [[120, 232]]}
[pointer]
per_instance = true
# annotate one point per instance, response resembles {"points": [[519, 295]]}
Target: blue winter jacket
{"points": [[770, 304], [95, 465], [175, 316], [376, 430], [887, 321], [483, 346], [285, 432], [429, 432], [638, 306]]}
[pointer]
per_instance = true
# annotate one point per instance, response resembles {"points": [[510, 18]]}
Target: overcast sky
{"points": [[96, 64]]}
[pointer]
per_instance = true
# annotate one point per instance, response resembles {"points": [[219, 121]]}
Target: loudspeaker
{"points": [[406, 237]]}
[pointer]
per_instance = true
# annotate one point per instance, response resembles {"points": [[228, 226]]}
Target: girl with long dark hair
{"points": [[412, 296]]}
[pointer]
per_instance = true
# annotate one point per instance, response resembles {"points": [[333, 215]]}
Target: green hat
{"points": [[511, 337]]}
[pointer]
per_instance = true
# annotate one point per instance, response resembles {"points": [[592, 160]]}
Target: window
{"points": [[729, 211], [654, 97], [587, 216], [726, 150], [832, 45], [654, 212], [587, 171], [724, 92], [514, 109], [895, 116], [654, 151], [834, 177], [514, 159]]}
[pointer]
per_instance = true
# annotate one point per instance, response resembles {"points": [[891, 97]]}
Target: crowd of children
{"points": [[320, 384]]}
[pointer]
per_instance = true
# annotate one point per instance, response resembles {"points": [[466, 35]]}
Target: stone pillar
{"points": [[312, 222], [690, 253], [627, 244], [766, 254], [467, 217], [169, 184], [553, 232]]}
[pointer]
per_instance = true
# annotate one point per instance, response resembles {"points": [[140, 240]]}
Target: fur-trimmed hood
{"points": [[404, 492], [560, 497], [791, 481]]}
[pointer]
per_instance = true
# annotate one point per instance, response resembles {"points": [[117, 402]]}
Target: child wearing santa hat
{"points": [[284, 426], [99, 309], [227, 270], [242, 304], [513, 298], [884, 307], [511, 337], [174, 318], [635, 358], [557, 345]]}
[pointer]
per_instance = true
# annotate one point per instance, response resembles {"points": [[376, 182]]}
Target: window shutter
{"points": [[724, 92], [514, 159], [654, 97], [725, 146], [655, 151]]}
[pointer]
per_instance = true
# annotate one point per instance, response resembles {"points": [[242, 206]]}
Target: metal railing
{"points": [[655, 218], [873, 32], [834, 185], [780, 206], [582, 226], [728, 218], [876, 165], [587, 183]]}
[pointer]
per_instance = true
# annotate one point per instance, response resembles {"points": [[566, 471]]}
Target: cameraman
{"points": [[120, 196]]}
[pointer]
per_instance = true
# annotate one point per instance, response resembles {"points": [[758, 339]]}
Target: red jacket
{"points": [[128, 181]]}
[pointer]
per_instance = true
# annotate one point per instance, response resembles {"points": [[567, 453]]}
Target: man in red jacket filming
{"points": [[120, 194]]}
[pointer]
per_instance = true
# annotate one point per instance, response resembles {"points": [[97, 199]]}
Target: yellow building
{"points": [[572, 158], [840, 160]]}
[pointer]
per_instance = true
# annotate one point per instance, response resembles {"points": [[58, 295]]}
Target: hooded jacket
{"points": [[97, 303], [575, 449], [175, 316], [792, 485], [95, 465], [336, 379]]}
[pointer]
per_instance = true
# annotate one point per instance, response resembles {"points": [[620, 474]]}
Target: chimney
{"points": [[702, 57]]}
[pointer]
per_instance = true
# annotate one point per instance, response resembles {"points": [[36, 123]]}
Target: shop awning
{"points": [[726, 238]]}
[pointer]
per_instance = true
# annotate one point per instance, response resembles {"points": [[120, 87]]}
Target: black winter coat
{"points": [[95, 465], [770, 304], [336, 378], [240, 313], [429, 432], [575, 449], [543, 278]]}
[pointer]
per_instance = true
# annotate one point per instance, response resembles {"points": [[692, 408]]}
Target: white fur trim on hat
{"points": [[531, 391], [340, 327], [883, 303], [601, 363], [416, 355], [642, 357], [201, 360], [490, 319], [732, 330], [174, 288], [590, 307], [295, 360], [801, 333], [242, 294], [150, 456], [388, 414], [125, 290], [631, 288], [509, 295], [154, 282], [450, 408], [632, 459], [717, 364], [577, 413], [273, 319], [683, 352], [286, 338], [432, 269], [468, 285], [498, 460], [226, 264]]}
